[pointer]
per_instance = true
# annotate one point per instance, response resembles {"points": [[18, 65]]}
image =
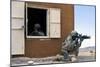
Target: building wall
{"points": [[35, 47]]}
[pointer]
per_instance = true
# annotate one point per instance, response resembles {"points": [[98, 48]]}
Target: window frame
{"points": [[47, 22]]}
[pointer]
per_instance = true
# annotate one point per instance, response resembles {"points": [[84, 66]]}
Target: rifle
{"points": [[80, 36]]}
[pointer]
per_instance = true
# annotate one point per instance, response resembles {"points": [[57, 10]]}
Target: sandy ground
{"points": [[86, 56], [83, 57]]}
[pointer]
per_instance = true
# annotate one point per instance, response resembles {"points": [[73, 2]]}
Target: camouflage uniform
{"points": [[68, 45]]}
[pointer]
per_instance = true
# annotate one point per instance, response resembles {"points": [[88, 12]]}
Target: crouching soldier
{"points": [[71, 45], [68, 45]]}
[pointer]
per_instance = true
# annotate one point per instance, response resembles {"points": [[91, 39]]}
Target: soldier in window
{"points": [[37, 30]]}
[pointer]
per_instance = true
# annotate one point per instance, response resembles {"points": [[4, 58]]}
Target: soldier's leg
{"points": [[76, 52], [66, 56], [74, 57]]}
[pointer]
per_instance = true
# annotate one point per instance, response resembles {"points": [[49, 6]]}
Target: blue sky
{"points": [[85, 23]]}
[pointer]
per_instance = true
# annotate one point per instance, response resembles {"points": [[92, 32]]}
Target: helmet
{"points": [[37, 26], [74, 33]]}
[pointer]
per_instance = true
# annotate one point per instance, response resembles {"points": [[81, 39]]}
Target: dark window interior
{"points": [[36, 16]]}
